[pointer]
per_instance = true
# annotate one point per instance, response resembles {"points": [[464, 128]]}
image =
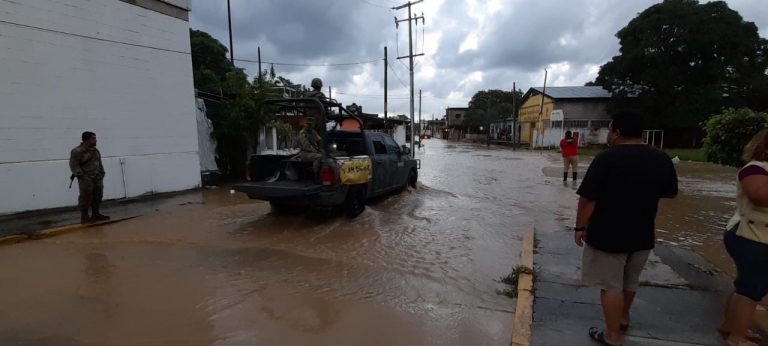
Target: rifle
{"points": [[71, 179]]}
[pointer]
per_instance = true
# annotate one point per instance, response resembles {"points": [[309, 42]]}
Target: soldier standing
{"points": [[85, 164]]}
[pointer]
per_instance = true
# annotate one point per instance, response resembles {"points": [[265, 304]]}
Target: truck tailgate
{"points": [[279, 189]]}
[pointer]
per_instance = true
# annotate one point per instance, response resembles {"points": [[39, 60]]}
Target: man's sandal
{"points": [[599, 336], [751, 335]]}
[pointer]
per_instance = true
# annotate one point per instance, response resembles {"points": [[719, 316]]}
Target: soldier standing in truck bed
{"points": [[85, 164]]}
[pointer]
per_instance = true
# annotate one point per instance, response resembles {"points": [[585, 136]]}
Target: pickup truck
{"points": [[356, 165]]}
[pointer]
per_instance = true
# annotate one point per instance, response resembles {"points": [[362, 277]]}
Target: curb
{"points": [[521, 329], [52, 232]]}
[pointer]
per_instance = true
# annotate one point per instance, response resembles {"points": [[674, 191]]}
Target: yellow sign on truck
{"points": [[355, 170]]}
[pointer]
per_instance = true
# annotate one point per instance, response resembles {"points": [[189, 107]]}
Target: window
{"points": [[458, 115], [577, 123], [379, 148], [600, 123], [392, 146], [557, 124]]}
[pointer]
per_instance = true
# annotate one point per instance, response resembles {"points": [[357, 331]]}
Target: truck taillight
{"points": [[327, 176]]}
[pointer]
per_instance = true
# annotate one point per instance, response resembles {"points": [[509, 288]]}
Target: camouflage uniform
{"points": [[310, 148], [85, 164]]}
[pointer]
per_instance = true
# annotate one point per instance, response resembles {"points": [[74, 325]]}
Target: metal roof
{"points": [[575, 92]]}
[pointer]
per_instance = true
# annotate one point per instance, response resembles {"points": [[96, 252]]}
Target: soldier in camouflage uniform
{"points": [[318, 120], [310, 145], [85, 164], [317, 86]]}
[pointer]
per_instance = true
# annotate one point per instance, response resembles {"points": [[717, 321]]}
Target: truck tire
{"points": [[354, 204], [281, 209], [413, 177]]}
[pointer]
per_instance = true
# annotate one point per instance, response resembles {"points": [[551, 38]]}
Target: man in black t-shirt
{"points": [[619, 197]]}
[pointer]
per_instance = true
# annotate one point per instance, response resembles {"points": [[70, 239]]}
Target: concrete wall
{"points": [[456, 116], [583, 108], [139, 101], [587, 136]]}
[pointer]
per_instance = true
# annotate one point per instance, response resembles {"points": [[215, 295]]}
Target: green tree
{"points": [[489, 105], [729, 132], [685, 61], [239, 112]]}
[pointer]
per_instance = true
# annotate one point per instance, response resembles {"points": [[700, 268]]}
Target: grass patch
{"points": [[696, 155], [511, 281]]}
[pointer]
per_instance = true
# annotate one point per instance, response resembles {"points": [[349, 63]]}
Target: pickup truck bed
{"points": [[279, 189]]}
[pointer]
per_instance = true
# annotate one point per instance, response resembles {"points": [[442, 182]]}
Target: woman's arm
{"points": [[756, 189]]}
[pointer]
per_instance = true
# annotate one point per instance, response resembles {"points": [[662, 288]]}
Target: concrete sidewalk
{"points": [[680, 301], [28, 223]]}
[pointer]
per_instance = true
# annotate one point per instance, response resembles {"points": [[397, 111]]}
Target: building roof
{"points": [[572, 92]]}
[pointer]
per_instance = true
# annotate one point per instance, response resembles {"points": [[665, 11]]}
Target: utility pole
{"points": [[410, 56], [514, 115], [386, 64], [329, 93], [231, 47], [420, 127], [541, 110], [260, 70]]}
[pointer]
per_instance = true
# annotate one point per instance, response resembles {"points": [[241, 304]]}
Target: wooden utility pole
{"points": [[410, 56], [231, 47], [386, 64], [329, 93]]}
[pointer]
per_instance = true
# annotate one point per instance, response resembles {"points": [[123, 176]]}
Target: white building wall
{"points": [[587, 136], [139, 101]]}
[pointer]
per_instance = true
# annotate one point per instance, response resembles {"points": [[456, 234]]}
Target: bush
{"points": [[728, 133]]}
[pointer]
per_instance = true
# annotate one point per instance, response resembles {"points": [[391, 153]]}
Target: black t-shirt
{"points": [[627, 182]]}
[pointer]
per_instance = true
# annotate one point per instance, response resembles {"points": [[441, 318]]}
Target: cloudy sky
{"points": [[469, 45]]}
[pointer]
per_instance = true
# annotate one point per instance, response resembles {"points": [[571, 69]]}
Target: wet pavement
{"points": [[416, 268]]}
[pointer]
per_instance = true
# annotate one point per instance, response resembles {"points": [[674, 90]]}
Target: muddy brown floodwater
{"points": [[416, 268]]}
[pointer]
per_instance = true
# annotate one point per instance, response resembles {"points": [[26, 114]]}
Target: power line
{"points": [[397, 97], [398, 77], [316, 65], [373, 4], [178, 51]]}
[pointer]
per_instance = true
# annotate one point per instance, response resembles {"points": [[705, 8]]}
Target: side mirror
{"points": [[404, 150]]}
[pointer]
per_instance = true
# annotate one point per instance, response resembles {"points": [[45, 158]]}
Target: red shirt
{"points": [[569, 147]]}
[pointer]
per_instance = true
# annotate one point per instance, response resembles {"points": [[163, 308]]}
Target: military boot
{"points": [[565, 176], [575, 176], [84, 218], [97, 215]]}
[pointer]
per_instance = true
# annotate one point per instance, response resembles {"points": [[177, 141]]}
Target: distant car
{"points": [[357, 165]]}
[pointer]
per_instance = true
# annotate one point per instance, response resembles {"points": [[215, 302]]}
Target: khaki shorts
{"points": [[612, 271], [571, 161]]}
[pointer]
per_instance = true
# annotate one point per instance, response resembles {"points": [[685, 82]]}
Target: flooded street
{"points": [[416, 268]]}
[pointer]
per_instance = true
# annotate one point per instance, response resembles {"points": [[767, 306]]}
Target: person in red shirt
{"points": [[570, 148]]}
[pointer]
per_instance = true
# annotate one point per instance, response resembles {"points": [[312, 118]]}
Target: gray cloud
{"points": [[514, 44]]}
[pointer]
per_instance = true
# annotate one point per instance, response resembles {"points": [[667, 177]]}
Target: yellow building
{"points": [[532, 116], [579, 109]]}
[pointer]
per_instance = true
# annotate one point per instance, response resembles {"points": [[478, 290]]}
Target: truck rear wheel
{"points": [[354, 204], [280, 208]]}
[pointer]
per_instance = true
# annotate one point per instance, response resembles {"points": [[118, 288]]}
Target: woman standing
{"points": [[746, 241]]}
